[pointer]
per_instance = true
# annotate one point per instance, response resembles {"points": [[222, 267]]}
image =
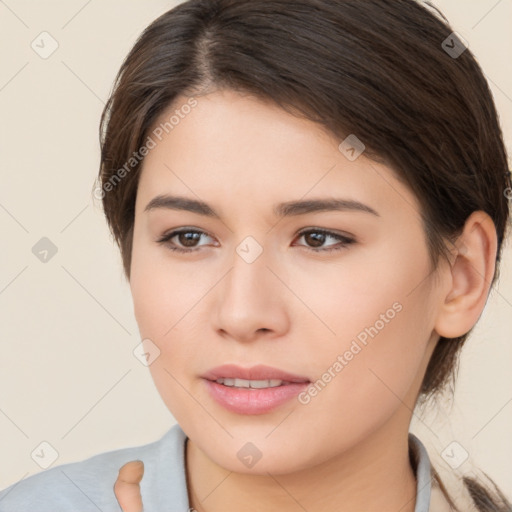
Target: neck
{"points": [[374, 475]]}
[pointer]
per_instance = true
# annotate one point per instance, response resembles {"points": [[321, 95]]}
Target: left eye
{"points": [[188, 238], [318, 237]]}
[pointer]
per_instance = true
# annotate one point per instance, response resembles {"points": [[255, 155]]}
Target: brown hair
{"points": [[374, 68]]}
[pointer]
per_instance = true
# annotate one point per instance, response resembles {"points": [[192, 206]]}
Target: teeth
{"points": [[255, 384]]}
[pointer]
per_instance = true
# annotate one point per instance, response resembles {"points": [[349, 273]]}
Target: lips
{"points": [[256, 390], [259, 372]]}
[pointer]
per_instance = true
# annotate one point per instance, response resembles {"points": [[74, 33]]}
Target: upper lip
{"points": [[259, 372]]}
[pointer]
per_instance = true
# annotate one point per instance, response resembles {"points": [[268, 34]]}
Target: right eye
{"points": [[185, 237]]}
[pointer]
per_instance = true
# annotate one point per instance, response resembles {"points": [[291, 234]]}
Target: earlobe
{"points": [[472, 270]]}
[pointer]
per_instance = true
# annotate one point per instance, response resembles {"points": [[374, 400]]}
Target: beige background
{"points": [[67, 372]]}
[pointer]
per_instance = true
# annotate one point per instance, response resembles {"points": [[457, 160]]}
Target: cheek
{"points": [[382, 316], [366, 379], [161, 314], [164, 298], [162, 294]]}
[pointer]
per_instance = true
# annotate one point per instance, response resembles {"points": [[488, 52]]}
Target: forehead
{"points": [[230, 145]]}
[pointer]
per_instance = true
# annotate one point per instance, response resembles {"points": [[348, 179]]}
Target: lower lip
{"points": [[253, 401]]}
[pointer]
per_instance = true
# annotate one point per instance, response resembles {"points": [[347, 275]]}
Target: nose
{"points": [[251, 301]]}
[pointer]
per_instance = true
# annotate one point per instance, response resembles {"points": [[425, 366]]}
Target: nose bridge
{"points": [[248, 301], [248, 277]]}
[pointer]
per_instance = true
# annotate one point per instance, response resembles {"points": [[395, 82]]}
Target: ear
{"points": [[469, 277]]}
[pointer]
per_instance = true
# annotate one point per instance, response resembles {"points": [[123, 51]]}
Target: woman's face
{"points": [[342, 297]]}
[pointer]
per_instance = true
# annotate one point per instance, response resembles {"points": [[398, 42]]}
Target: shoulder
{"points": [[88, 485]]}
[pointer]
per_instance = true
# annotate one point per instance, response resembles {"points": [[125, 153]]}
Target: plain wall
{"points": [[67, 331]]}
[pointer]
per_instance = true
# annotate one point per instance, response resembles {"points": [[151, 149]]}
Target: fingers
{"points": [[127, 488]]}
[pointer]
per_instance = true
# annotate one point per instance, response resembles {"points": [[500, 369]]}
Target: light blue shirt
{"points": [[88, 485]]}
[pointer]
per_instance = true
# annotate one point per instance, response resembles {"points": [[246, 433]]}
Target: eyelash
{"points": [[345, 240]]}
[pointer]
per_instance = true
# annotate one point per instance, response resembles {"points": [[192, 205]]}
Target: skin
{"points": [[292, 308]]}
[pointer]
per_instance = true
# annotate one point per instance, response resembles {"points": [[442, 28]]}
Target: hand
{"points": [[127, 488]]}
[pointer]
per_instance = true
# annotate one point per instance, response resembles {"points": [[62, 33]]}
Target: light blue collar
{"points": [[423, 474]]}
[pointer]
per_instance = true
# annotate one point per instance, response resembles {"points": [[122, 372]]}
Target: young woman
{"points": [[310, 198]]}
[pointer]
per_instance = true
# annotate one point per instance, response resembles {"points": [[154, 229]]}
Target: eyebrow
{"points": [[286, 209]]}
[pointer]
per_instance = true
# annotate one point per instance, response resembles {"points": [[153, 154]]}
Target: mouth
{"points": [[255, 390]]}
